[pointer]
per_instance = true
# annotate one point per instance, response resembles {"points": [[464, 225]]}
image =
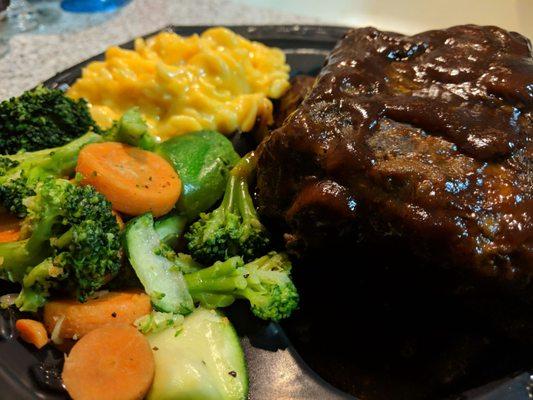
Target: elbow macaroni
{"points": [[217, 80]]}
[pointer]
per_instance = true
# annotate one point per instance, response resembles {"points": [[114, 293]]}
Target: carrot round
{"points": [[113, 362], [121, 308], [9, 228], [135, 181], [32, 332]]}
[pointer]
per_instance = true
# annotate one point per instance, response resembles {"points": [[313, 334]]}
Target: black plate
{"points": [[277, 371]]}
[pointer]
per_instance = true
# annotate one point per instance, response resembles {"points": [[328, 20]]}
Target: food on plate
{"points": [[132, 230], [32, 331], [203, 362], [131, 129], [233, 228], [157, 267], [170, 228], [69, 240], [40, 119], [427, 138], [112, 362], [300, 87], [217, 81], [203, 161], [95, 217], [21, 173], [175, 281], [156, 321], [134, 180], [264, 282], [107, 308]]}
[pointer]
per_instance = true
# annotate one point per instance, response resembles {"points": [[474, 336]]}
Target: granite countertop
{"points": [[38, 55]]}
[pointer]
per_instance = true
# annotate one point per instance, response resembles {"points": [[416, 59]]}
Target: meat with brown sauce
{"points": [[428, 138]]}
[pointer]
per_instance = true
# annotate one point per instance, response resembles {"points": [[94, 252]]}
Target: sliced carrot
{"points": [[135, 181], [9, 228], [113, 362], [81, 318], [32, 332]]}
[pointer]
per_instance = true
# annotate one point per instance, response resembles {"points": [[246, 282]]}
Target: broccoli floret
{"points": [[12, 195], [6, 164], [70, 241], [42, 118], [20, 173], [132, 129], [264, 282], [36, 285], [234, 227]]}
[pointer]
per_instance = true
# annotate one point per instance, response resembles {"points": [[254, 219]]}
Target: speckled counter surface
{"points": [[36, 56]]}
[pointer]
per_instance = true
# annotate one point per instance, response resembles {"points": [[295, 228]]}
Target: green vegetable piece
{"points": [[157, 321], [205, 361], [20, 173], [42, 118], [203, 160], [233, 228], [155, 266], [131, 129], [170, 228], [265, 282], [72, 243]]}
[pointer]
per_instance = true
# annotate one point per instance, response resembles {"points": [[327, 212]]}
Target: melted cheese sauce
{"points": [[217, 80]]}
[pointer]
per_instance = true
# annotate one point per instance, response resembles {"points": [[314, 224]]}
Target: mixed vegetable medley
{"points": [[126, 248]]}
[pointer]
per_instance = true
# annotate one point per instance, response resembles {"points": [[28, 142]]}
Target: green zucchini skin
{"points": [[204, 361]]}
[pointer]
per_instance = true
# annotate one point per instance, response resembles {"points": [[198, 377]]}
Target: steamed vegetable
{"points": [[70, 241], [136, 181], [264, 282], [42, 118], [111, 308], [114, 362], [32, 332], [21, 173], [203, 161], [204, 361], [157, 321], [170, 228], [131, 129], [233, 228], [157, 267]]}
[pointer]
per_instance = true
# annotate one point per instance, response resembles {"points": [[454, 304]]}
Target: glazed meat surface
{"points": [[426, 138], [288, 103]]}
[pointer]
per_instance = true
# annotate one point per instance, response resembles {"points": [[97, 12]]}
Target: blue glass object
{"points": [[92, 5]]}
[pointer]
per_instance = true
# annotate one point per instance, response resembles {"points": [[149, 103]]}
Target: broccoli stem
{"points": [[264, 282], [228, 201], [61, 161], [219, 278], [56, 162], [234, 227], [64, 240], [246, 206], [246, 166]]}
